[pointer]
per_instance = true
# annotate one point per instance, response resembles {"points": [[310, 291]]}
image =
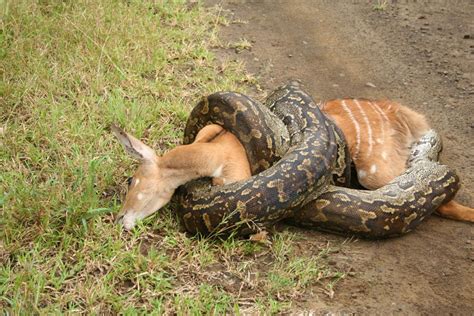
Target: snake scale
{"points": [[287, 168], [392, 210], [300, 165]]}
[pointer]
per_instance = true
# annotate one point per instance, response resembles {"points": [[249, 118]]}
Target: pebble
{"points": [[370, 84]]}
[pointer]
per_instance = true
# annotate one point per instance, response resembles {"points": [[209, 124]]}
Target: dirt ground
{"points": [[420, 53]]}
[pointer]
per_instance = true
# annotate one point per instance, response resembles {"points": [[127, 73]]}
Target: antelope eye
{"points": [[129, 181]]}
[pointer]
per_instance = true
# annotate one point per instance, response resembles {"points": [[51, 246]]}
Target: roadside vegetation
{"points": [[69, 69]]}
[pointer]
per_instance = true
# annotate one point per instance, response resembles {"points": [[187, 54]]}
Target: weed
{"points": [[241, 45], [70, 69], [380, 5]]}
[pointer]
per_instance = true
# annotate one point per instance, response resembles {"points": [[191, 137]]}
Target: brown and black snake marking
{"points": [[392, 210], [295, 153], [295, 166]]}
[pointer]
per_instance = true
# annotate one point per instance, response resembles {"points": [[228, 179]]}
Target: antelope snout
{"points": [[126, 220]]}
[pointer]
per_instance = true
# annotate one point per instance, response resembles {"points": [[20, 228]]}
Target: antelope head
{"points": [[146, 194]]}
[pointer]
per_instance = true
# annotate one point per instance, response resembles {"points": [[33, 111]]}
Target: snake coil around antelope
{"points": [[297, 156], [292, 152]]}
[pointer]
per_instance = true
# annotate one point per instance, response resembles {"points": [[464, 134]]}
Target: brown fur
{"points": [[456, 211], [398, 127], [236, 166], [215, 153], [393, 129]]}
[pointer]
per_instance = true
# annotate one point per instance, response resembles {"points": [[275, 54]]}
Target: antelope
{"points": [[214, 153], [378, 133]]}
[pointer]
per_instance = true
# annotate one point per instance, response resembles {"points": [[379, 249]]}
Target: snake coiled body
{"points": [[294, 166], [302, 154], [392, 210]]}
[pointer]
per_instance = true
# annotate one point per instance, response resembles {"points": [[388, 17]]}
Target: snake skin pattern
{"points": [[392, 210], [296, 156], [290, 175]]}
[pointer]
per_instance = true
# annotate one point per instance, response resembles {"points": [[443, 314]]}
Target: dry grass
{"points": [[69, 69]]}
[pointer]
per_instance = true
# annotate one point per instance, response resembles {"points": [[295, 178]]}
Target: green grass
{"points": [[69, 69], [380, 5]]}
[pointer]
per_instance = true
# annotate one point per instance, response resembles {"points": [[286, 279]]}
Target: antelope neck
{"points": [[189, 162]]}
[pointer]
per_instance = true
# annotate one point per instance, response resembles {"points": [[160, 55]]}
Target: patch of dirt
{"points": [[418, 53]]}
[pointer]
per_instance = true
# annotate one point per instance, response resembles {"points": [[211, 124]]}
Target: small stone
{"points": [[290, 55], [371, 85], [305, 43]]}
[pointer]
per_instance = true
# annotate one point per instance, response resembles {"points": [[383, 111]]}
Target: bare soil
{"points": [[420, 53]]}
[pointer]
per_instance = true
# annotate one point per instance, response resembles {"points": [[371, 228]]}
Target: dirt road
{"points": [[421, 54]]}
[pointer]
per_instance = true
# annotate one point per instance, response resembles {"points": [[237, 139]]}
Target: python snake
{"points": [[391, 210], [287, 168], [296, 156]]}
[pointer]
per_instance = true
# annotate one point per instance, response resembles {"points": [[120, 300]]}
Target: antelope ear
{"points": [[133, 146]]}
